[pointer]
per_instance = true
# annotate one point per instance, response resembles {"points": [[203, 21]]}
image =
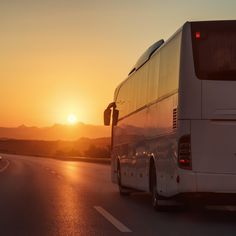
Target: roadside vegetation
{"points": [[83, 147]]}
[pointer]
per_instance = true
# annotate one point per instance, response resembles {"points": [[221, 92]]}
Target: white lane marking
{"points": [[121, 227], [4, 168]]}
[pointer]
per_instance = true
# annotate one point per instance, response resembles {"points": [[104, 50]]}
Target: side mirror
{"points": [[115, 116], [107, 116]]}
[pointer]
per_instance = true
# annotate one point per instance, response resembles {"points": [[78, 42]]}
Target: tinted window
{"points": [[156, 78], [214, 49], [169, 66], [153, 78], [133, 93]]}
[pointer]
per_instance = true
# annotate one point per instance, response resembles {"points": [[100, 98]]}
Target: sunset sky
{"points": [[62, 57]]}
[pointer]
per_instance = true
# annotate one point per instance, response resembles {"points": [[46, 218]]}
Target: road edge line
{"points": [[5, 167]]}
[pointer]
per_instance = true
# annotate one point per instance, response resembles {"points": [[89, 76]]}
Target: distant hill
{"points": [[55, 132]]}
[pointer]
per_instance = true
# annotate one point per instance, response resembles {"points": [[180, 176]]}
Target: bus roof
{"points": [[146, 56]]}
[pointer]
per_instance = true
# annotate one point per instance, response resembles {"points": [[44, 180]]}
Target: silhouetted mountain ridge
{"points": [[55, 132]]}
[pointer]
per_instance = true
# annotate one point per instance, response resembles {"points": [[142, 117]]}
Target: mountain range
{"points": [[55, 132]]}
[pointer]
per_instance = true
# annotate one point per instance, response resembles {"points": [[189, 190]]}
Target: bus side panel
{"points": [[162, 144], [167, 166], [129, 147], [159, 125], [166, 139], [166, 143], [166, 161]]}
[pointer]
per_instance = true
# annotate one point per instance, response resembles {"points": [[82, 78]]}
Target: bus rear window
{"points": [[214, 49]]}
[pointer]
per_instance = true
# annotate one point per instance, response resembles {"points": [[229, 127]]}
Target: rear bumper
{"points": [[213, 189], [208, 198], [206, 183]]}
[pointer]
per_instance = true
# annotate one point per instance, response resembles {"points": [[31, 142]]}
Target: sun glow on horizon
{"points": [[72, 119]]}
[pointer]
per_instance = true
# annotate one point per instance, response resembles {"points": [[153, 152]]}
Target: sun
{"points": [[72, 119]]}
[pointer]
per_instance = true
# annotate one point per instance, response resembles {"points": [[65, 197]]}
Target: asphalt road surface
{"points": [[40, 196]]}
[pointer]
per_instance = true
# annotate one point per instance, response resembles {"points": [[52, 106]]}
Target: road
{"points": [[40, 196]]}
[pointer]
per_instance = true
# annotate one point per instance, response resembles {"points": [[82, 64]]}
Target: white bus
{"points": [[174, 117]]}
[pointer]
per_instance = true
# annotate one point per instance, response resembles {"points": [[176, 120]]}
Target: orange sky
{"points": [[67, 56]]}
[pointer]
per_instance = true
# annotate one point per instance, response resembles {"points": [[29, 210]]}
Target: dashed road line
{"points": [[121, 227], [5, 167]]}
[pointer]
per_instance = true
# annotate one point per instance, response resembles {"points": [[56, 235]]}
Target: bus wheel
{"points": [[123, 191], [155, 196]]}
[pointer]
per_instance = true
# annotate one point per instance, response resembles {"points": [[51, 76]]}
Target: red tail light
{"points": [[184, 152], [198, 35]]}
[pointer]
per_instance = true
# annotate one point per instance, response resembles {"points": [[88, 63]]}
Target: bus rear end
{"points": [[207, 112]]}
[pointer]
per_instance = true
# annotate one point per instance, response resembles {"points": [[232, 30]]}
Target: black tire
{"points": [[123, 191], [153, 185]]}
